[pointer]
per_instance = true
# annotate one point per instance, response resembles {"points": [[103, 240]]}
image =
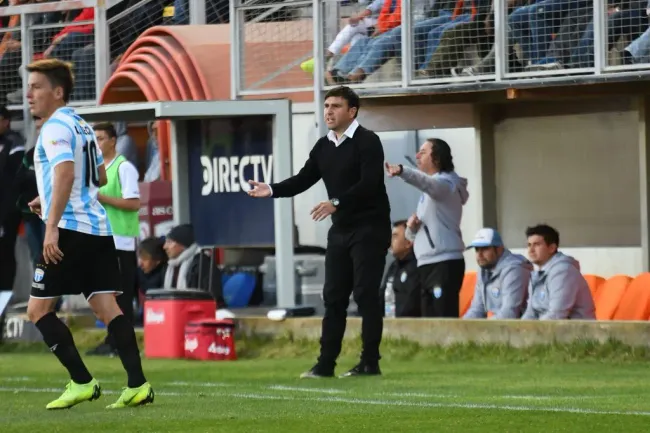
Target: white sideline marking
{"points": [[202, 384], [338, 391], [295, 388], [253, 396]]}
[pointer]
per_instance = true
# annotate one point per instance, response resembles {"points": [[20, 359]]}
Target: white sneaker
{"points": [[224, 314]]}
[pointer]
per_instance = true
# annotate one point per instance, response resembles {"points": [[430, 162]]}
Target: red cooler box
{"points": [[166, 312], [210, 340]]}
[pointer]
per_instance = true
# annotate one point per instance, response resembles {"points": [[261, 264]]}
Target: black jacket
{"points": [[402, 275], [12, 150]]}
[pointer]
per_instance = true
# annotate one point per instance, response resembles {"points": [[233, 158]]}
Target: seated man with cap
{"points": [[502, 282], [189, 267]]}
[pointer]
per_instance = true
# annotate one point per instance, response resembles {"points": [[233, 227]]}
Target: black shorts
{"points": [[89, 266]]}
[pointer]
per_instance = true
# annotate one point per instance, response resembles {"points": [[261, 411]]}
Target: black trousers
{"points": [[441, 283], [354, 264], [128, 281], [8, 250]]}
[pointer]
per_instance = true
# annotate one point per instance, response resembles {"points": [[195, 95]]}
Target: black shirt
{"points": [[402, 276], [353, 173]]}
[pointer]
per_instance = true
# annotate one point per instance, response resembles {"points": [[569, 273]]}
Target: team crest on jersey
{"points": [[39, 274], [437, 292], [403, 277], [57, 142], [495, 292]]}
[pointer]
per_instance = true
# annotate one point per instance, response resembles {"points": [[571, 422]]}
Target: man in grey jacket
{"points": [[502, 282], [435, 227], [557, 289]]}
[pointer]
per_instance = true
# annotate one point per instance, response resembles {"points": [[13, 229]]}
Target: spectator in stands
{"points": [[367, 55], [188, 267], [126, 145], [626, 18], [402, 275], [153, 154], [359, 27], [435, 227], [72, 37], [488, 62], [471, 11], [557, 289], [12, 150], [533, 26], [449, 43], [502, 283]]}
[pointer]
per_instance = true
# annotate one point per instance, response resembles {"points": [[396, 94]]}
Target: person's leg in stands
{"points": [[435, 35], [630, 22], [346, 36], [84, 68], [421, 31], [384, 48], [349, 61], [519, 30], [71, 43], [639, 50], [546, 18]]}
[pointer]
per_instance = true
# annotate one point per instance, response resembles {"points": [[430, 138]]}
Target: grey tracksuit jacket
{"points": [[501, 290], [559, 291], [440, 209]]}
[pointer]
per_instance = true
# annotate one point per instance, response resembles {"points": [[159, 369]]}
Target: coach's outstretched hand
{"points": [[259, 189], [51, 251], [393, 169]]}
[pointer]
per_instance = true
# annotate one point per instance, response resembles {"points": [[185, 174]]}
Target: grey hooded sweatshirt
{"points": [[501, 290], [559, 291], [440, 210], [125, 145]]}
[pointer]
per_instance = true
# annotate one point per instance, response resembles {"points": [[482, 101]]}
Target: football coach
{"points": [[350, 160]]}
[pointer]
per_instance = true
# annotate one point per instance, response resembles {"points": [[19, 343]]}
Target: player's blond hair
{"points": [[58, 72]]}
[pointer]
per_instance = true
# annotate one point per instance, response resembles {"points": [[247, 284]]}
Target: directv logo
{"points": [[231, 174]]}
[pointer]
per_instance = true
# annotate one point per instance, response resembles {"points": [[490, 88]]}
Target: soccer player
{"points": [[78, 252]]}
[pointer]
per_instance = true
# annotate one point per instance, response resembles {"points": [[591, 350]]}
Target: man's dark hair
{"points": [[58, 73], [348, 94], [400, 223], [107, 127], [550, 235], [441, 155], [5, 114], [153, 247]]}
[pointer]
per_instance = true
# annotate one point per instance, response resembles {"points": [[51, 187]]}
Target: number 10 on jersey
{"points": [[90, 157]]}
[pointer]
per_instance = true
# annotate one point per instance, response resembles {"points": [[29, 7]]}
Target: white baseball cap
{"points": [[486, 237]]}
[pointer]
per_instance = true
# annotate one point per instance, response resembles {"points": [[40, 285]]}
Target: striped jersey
{"points": [[65, 136]]}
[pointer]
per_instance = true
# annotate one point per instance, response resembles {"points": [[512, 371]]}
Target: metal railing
{"points": [[507, 42]]}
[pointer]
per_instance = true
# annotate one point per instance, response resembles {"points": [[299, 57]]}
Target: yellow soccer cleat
{"points": [[76, 393], [134, 397]]}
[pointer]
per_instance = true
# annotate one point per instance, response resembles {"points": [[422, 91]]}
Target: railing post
{"points": [[197, 12], [600, 37], [102, 48], [27, 53], [319, 67], [501, 44], [235, 49], [407, 52]]}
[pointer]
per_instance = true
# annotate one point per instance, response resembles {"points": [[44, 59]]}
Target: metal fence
{"points": [[287, 46], [375, 45]]}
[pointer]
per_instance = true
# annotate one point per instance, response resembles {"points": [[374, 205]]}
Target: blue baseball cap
{"points": [[486, 237]]}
